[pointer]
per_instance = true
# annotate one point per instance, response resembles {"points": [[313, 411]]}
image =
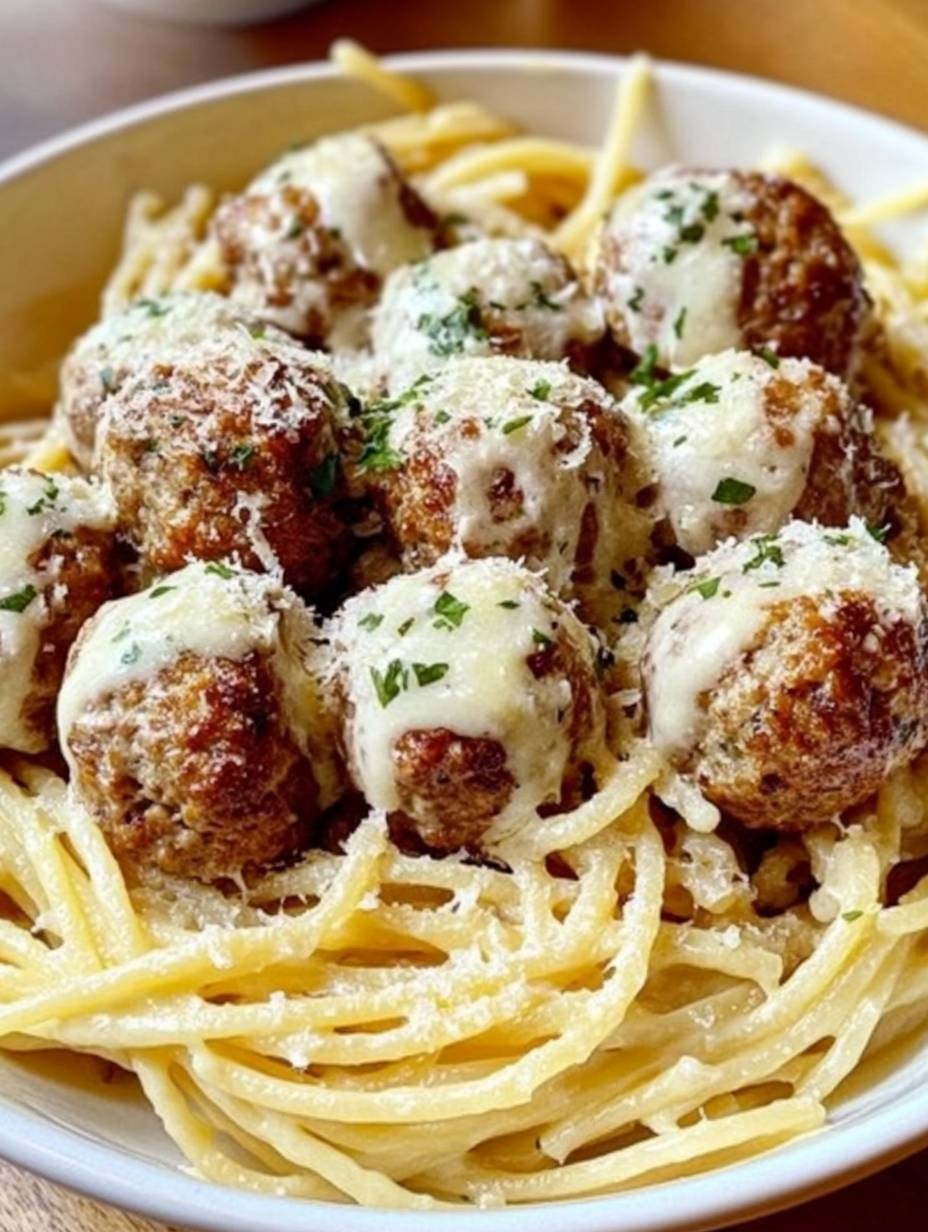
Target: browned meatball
{"points": [[188, 722], [694, 262], [742, 442], [471, 703], [310, 241], [231, 450], [509, 457], [57, 566], [163, 328], [790, 676]]}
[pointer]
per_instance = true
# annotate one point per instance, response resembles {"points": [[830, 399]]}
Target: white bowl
{"points": [[62, 206]]}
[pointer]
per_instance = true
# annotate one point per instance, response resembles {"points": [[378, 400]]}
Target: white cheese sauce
{"points": [[414, 660], [678, 281], [723, 605], [722, 424], [451, 304], [33, 508]]}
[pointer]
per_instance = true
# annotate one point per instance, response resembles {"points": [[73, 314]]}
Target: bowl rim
{"points": [[813, 1165]]}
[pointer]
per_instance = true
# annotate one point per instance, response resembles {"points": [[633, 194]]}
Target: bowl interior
{"points": [[63, 208]]}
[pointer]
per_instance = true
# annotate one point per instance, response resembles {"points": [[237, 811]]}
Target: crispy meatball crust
{"points": [[819, 712], [192, 773], [217, 456]]}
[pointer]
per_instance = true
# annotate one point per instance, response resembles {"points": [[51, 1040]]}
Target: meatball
{"points": [[191, 724], [487, 297], [789, 674], [150, 329], [229, 449], [470, 700], [311, 239], [694, 262], [742, 442], [57, 566], [508, 457]]}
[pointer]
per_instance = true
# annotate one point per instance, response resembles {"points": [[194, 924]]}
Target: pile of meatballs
{"points": [[371, 528]]}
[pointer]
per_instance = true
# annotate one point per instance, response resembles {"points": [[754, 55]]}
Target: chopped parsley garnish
{"points": [[636, 300], [389, 684], [680, 322], [376, 419], [540, 390], [428, 673], [131, 655], [441, 417], [541, 299], [153, 308], [879, 533], [692, 233], [159, 591], [322, 477], [122, 633], [541, 639], [643, 372], [679, 441], [404, 628], [19, 600], [851, 916], [731, 491], [509, 604], [513, 425], [710, 206], [220, 569], [838, 541], [107, 380], [705, 391], [669, 254], [768, 356], [2, 503], [50, 493], [766, 551], [743, 245], [450, 611], [371, 621], [449, 333], [257, 329], [242, 455], [707, 588], [767, 585], [661, 391]]}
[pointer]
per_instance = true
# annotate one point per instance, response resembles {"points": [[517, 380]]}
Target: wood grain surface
{"points": [[64, 61]]}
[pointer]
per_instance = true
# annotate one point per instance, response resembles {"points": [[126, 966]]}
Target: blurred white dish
{"points": [[52, 264], [211, 12]]}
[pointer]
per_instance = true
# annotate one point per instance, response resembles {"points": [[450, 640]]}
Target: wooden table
{"points": [[63, 61]]}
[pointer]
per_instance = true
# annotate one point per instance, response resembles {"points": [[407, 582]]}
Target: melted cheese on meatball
{"points": [[358, 194], [210, 610], [449, 648], [730, 444], [670, 263], [712, 615], [33, 508], [492, 295]]}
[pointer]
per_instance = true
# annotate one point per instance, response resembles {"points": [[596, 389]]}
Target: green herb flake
{"points": [[838, 541], [769, 357], [879, 533], [669, 254], [372, 621], [679, 441], [540, 390], [541, 299], [448, 334], [257, 330], [404, 628], [441, 417], [2, 503], [159, 591], [742, 245], [680, 322], [19, 600], [242, 455], [767, 550], [636, 300], [731, 491], [153, 308], [131, 655], [707, 588], [389, 684], [768, 585], [643, 372], [122, 633], [322, 477], [428, 673], [50, 493], [705, 391], [218, 568], [509, 604], [513, 425], [851, 916], [450, 611], [541, 639]]}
